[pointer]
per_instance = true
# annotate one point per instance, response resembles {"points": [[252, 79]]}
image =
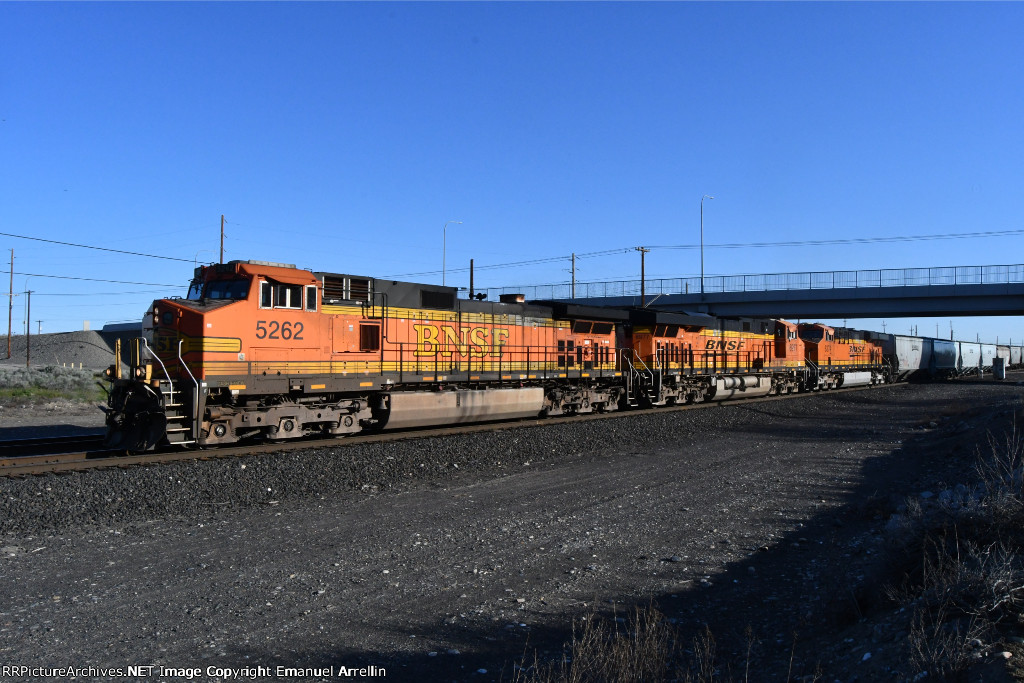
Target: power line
{"points": [[93, 294], [86, 246], [849, 240], [742, 245], [90, 279], [550, 259], [594, 254]]}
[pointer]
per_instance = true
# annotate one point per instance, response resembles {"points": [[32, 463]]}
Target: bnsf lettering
{"points": [[166, 343], [725, 344], [857, 348], [447, 340]]}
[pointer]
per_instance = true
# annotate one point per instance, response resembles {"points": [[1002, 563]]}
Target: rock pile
{"points": [[90, 350]]}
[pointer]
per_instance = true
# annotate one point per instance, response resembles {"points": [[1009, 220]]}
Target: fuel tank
{"points": [[742, 386], [423, 408], [856, 379]]}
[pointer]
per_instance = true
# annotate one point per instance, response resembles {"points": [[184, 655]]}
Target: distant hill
{"points": [[92, 350]]}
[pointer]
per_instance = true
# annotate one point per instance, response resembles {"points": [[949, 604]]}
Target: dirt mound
{"points": [[91, 350]]}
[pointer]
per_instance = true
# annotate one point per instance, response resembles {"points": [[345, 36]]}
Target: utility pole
{"points": [[574, 275], [222, 238], [28, 328], [10, 307], [643, 254], [470, 279]]}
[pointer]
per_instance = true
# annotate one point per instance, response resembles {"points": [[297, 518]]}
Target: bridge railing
{"points": [[764, 282]]}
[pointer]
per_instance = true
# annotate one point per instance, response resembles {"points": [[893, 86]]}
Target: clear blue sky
{"points": [[342, 136]]}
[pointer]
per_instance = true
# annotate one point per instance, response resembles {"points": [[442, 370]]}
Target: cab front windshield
{"points": [[811, 334], [219, 289]]}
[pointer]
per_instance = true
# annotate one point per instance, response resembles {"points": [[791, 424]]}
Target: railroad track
{"points": [[12, 465], [26, 457], [49, 445], [49, 454]]}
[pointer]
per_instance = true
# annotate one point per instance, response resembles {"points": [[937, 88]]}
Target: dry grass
{"points": [[967, 588], [640, 648]]}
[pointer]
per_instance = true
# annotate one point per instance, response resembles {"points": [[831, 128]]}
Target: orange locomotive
{"points": [[269, 350], [263, 349], [839, 356], [698, 358]]}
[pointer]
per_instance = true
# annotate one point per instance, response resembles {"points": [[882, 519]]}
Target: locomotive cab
{"points": [[819, 342], [788, 345]]}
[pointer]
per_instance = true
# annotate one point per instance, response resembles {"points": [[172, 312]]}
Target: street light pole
{"points": [[702, 242], [444, 248]]}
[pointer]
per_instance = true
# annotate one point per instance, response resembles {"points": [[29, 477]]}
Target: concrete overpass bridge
{"points": [[884, 293]]}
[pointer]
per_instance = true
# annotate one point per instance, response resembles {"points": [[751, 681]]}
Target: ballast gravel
{"points": [[447, 558]]}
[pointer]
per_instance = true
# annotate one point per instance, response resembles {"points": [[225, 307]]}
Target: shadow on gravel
{"points": [[775, 614], [13, 433], [479, 654]]}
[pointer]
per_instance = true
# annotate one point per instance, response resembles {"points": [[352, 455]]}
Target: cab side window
{"points": [[280, 295]]}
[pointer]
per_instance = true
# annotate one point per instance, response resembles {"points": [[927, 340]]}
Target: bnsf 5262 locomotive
{"points": [[272, 351]]}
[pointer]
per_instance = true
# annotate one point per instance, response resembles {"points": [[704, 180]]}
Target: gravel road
{"points": [[445, 558]]}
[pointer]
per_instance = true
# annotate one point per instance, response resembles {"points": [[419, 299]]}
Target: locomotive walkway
{"points": [[890, 293]]}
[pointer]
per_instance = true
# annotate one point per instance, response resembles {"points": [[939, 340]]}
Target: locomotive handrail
{"points": [[384, 325], [625, 355], [150, 351], [195, 399], [644, 365], [625, 362]]}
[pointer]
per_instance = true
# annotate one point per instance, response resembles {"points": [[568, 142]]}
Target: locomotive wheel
{"points": [[144, 433]]}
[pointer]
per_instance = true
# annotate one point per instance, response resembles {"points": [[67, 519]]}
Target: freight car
{"points": [[271, 351]]}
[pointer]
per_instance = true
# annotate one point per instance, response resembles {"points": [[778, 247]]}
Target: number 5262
{"points": [[276, 330]]}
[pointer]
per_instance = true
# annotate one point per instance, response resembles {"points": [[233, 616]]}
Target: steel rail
{"points": [[48, 445], [70, 462]]}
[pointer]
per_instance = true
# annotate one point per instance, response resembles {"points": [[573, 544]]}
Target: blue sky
{"points": [[342, 136]]}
